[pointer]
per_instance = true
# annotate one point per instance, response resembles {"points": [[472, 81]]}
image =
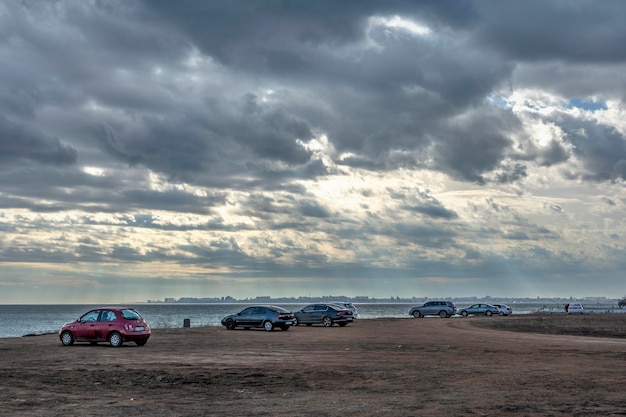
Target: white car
{"points": [[503, 309], [575, 308]]}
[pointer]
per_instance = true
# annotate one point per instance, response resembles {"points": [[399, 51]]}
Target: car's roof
{"points": [[326, 304], [262, 305], [342, 305], [270, 306]]}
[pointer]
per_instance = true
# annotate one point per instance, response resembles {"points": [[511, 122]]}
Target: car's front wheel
{"points": [[230, 324], [464, 313], [327, 321], [417, 314], [67, 339], [443, 314], [488, 313], [115, 339], [268, 326]]}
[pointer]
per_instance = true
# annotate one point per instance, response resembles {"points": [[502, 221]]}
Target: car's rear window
{"points": [[131, 315], [279, 310]]}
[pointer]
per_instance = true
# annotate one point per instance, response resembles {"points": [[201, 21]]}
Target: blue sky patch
{"points": [[591, 105]]}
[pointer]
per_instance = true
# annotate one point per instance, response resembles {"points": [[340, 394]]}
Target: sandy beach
{"points": [[382, 367]]}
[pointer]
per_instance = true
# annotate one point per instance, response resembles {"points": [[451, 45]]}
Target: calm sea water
{"points": [[21, 320]]}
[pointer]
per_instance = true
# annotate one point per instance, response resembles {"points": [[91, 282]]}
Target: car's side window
{"points": [[107, 316], [90, 317]]}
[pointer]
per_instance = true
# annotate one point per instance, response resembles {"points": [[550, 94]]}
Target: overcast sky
{"points": [[153, 149]]}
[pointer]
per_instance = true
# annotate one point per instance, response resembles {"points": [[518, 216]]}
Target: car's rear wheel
{"points": [[115, 339], [488, 313], [268, 326], [417, 314], [501, 313], [443, 314], [67, 339], [464, 313], [141, 342], [327, 321], [230, 324]]}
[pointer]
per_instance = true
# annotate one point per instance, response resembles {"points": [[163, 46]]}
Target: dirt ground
{"points": [[383, 367]]}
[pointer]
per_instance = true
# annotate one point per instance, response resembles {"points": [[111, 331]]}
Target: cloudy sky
{"points": [[153, 149]]}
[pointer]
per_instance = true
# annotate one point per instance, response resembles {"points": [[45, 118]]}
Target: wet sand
{"points": [[382, 367]]}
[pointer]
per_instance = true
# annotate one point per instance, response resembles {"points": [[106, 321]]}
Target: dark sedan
{"points": [[325, 314], [267, 317]]}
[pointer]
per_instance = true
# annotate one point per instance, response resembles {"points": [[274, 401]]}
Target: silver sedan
{"points": [[479, 309]]}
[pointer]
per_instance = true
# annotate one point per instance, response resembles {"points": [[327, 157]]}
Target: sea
{"points": [[29, 320]]}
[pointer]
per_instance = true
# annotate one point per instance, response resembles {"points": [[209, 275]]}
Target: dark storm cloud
{"points": [[475, 144], [405, 95], [19, 141], [376, 102], [580, 31], [601, 148], [270, 35]]}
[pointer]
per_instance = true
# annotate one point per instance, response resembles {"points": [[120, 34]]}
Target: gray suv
{"points": [[442, 309]]}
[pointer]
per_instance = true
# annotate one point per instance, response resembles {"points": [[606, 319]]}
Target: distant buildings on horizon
{"points": [[266, 299]]}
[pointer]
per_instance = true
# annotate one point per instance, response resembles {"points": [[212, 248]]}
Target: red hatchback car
{"points": [[115, 325]]}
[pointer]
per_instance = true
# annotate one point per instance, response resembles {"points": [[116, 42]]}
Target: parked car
{"points": [[325, 314], [268, 317], [442, 309], [115, 325], [575, 308], [503, 309], [481, 309], [349, 306]]}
